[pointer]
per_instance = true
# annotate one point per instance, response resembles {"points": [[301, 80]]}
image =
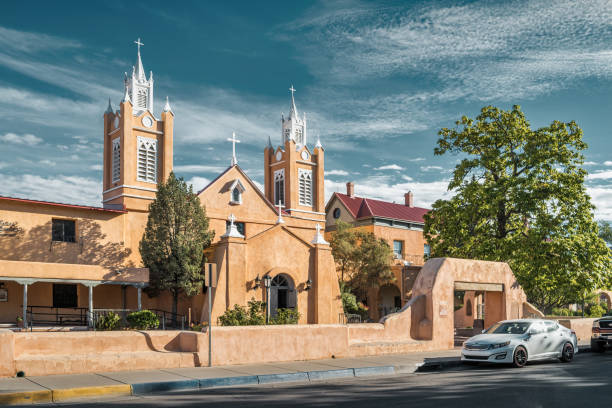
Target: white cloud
{"points": [[607, 163], [418, 159], [198, 168], [390, 167], [198, 183], [336, 173], [48, 163], [430, 168], [425, 194], [63, 189], [602, 175], [25, 139], [96, 167], [407, 178], [601, 197], [590, 163]]}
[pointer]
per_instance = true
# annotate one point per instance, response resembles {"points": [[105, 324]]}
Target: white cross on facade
{"points": [[232, 218], [138, 43], [234, 141], [280, 216], [318, 229]]}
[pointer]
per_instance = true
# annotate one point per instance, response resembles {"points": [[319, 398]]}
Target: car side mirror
{"points": [[483, 331]]}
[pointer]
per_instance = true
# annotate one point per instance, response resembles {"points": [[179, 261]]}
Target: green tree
{"points": [[343, 244], [372, 261], [174, 239], [520, 198]]}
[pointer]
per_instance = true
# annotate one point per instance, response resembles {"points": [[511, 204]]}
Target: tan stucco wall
{"points": [[436, 281]]}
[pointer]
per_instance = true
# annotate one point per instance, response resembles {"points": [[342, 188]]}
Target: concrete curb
{"points": [[88, 392], [148, 387], [26, 397], [62, 395]]}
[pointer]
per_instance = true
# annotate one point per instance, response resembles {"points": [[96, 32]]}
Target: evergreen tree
{"points": [[174, 240]]}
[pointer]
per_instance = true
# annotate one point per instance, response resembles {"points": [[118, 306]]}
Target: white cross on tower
{"points": [[138, 43], [280, 216], [234, 141], [292, 89], [318, 229], [231, 219]]}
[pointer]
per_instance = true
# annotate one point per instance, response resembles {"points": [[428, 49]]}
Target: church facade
{"points": [[68, 260]]}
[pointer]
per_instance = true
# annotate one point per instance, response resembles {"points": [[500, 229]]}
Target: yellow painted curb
{"points": [[25, 397], [85, 392]]}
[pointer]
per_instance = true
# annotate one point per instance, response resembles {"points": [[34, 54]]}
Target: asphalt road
{"points": [[586, 382]]}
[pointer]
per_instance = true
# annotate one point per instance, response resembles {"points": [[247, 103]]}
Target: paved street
{"points": [[588, 380]]}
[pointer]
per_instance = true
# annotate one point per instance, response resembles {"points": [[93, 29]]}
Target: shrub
{"points": [[561, 311], [109, 321], [143, 320], [240, 316], [351, 306], [596, 311], [286, 316], [198, 327]]}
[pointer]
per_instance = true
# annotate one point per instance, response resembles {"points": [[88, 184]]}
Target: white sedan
{"points": [[519, 341]]}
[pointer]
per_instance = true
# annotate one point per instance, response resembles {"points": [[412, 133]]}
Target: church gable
{"points": [[220, 199]]}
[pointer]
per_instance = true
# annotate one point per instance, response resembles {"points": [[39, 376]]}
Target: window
{"points": [[287, 134], [337, 212], [426, 250], [305, 186], [116, 159], [298, 136], [239, 226], [279, 187], [398, 249], [63, 230], [147, 160], [236, 192], [65, 295], [141, 99]]}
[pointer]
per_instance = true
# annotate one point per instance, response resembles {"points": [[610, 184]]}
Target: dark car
{"points": [[601, 337]]}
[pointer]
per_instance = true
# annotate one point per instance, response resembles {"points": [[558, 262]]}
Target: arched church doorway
{"points": [[282, 294], [389, 299]]}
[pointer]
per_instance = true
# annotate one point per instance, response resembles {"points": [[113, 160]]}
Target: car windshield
{"points": [[509, 328]]}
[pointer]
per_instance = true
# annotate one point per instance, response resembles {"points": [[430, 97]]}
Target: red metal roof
{"points": [[82, 207], [367, 207]]}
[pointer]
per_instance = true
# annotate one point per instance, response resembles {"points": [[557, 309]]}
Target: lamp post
{"points": [[267, 283]]}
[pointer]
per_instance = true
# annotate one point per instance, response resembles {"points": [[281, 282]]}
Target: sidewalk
{"points": [[58, 388]]}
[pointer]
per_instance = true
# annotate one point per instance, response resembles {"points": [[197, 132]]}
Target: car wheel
{"points": [[597, 348], [520, 357], [567, 354]]}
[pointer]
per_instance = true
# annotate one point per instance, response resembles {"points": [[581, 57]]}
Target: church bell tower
{"points": [[137, 144], [294, 172]]}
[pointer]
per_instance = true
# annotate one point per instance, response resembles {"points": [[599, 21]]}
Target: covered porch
{"points": [[51, 294]]}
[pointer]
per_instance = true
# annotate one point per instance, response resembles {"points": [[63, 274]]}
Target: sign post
{"points": [[210, 270]]}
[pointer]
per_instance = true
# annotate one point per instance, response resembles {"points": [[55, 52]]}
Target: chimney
{"points": [[350, 189], [408, 199]]}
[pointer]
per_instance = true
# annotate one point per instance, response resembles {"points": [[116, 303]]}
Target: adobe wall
{"points": [[436, 282]]}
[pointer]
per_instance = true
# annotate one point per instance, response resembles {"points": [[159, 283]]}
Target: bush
{"points": [[596, 311], [240, 316], [109, 321], [561, 311], [143, 320], [351, 306], [286, 316], [198, 327]]}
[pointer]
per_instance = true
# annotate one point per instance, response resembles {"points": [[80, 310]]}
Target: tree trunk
{"points": [[174, 307]]}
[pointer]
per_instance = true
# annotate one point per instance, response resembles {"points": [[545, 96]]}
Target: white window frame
{"points": [[236, 186], [116, 160], [146, 166], [305, 187], [279, 181]]}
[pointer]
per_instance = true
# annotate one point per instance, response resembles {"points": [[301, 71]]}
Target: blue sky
{"points": [[377, 80]]}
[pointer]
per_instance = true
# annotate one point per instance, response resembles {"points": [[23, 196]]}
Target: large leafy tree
{"points": [[363, 260], [174, 239], [520, 198]]}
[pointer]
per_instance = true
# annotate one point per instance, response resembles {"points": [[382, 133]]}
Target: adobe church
{"points": [[64, 260]]}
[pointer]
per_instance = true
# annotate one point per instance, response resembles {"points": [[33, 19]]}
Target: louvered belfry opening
{"points": [[147, 160]]}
